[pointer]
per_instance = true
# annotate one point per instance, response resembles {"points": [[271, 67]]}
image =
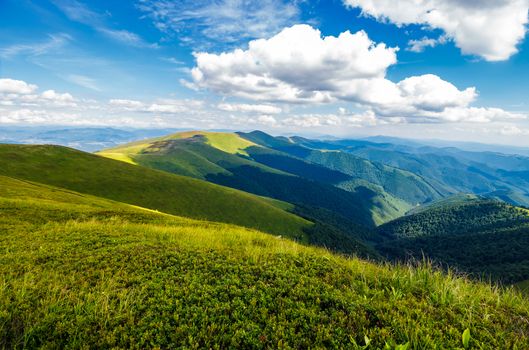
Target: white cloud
{"points": [[127, 38], [298, 65], [169, 106], [267, 120], [488, 28], [513, 130], [83, 81], [421, 44], [174, 106], [127, 104], [63, 98], [54, 42], [11, 86], [249, 108], [226, 21], [312, 120], [20, 93]]}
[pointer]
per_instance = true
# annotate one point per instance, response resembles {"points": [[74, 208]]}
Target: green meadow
{"points": [[78, 271], [95, 175]]}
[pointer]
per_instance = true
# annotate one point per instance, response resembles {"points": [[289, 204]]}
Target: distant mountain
{"points": [[466, 146], [449, 169], [86, 139]]}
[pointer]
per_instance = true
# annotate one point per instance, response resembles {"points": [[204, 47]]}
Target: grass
{"points": [[523, 286], [84, 272], [172, 194], [229, 142]]}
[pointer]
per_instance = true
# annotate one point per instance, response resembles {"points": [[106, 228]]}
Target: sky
{"points": [[429, 69]]}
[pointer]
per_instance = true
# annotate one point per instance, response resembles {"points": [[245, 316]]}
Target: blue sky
{"points": [[461, 70]]}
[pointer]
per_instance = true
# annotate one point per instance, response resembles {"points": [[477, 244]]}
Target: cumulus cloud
{"points": [[11, 86], [267, 120], [513, 130], [127, 104], [51, 95], [249, 108], [421, 44], [298, 65], [488, 28], [170, 106]]}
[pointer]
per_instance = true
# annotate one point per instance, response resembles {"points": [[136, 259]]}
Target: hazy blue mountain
{"points": [[85, 139]]}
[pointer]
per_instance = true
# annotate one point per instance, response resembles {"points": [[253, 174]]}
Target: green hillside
{"points": [[400, 183], [231, 160], [484, 238], [84, 272], [99, 176], [504, 176]]}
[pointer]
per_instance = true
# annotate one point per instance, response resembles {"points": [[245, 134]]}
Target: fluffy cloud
{"points": [[11, 86], [127, 104], [64, 98], [421, 44], [513, 130], [488, 28], [18, 92], [298, 65], [249, 108], [169, 106]]}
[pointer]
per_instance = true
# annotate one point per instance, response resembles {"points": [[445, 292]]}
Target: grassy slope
{"points": [[381, 206], [195, 156], [89, 273], [217, 157], [91, 174]]}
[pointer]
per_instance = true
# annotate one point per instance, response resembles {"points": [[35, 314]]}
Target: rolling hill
{"points": [[264, 165], [485, 238], [455, 170], [177, 195], [399, 183], [168, 193], [78, 271]]}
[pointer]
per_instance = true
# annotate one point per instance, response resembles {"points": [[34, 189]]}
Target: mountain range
{"points": [[405, 226]]}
